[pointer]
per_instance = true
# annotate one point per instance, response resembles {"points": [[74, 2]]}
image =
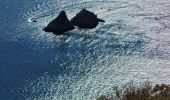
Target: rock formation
{"points": [[59, 25], [86, 19]]}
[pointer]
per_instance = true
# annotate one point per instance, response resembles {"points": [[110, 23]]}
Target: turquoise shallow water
{"points": [[132, 45]]}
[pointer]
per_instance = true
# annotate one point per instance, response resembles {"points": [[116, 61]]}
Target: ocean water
{"points": [[132, 45]]}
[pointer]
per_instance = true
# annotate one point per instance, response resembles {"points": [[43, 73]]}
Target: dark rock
{"points": [[86, 19], [34, 21], [59, 25]]}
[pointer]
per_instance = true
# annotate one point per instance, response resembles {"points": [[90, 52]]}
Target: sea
{"points": [[133, 45]]}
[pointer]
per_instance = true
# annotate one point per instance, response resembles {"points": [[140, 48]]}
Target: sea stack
{"points": [[59, 25], [86, 19]]}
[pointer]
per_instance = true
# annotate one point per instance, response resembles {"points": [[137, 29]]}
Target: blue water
{"points": [[19, 60], [86, 63]]}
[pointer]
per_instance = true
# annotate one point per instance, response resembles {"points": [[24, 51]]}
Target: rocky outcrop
{"points": [[86, 19], [59, 25]]}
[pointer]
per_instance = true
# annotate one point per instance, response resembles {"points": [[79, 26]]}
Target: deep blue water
{"points": [[19, 61]]}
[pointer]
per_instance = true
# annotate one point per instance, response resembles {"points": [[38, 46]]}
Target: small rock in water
{"points": [[86, 19], [59, 25], [34, 21]]}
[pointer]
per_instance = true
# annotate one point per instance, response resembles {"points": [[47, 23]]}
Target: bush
{"points": [[145, 92]]}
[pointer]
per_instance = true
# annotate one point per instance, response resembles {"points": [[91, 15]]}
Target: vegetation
{"points": [[145, 92]]}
